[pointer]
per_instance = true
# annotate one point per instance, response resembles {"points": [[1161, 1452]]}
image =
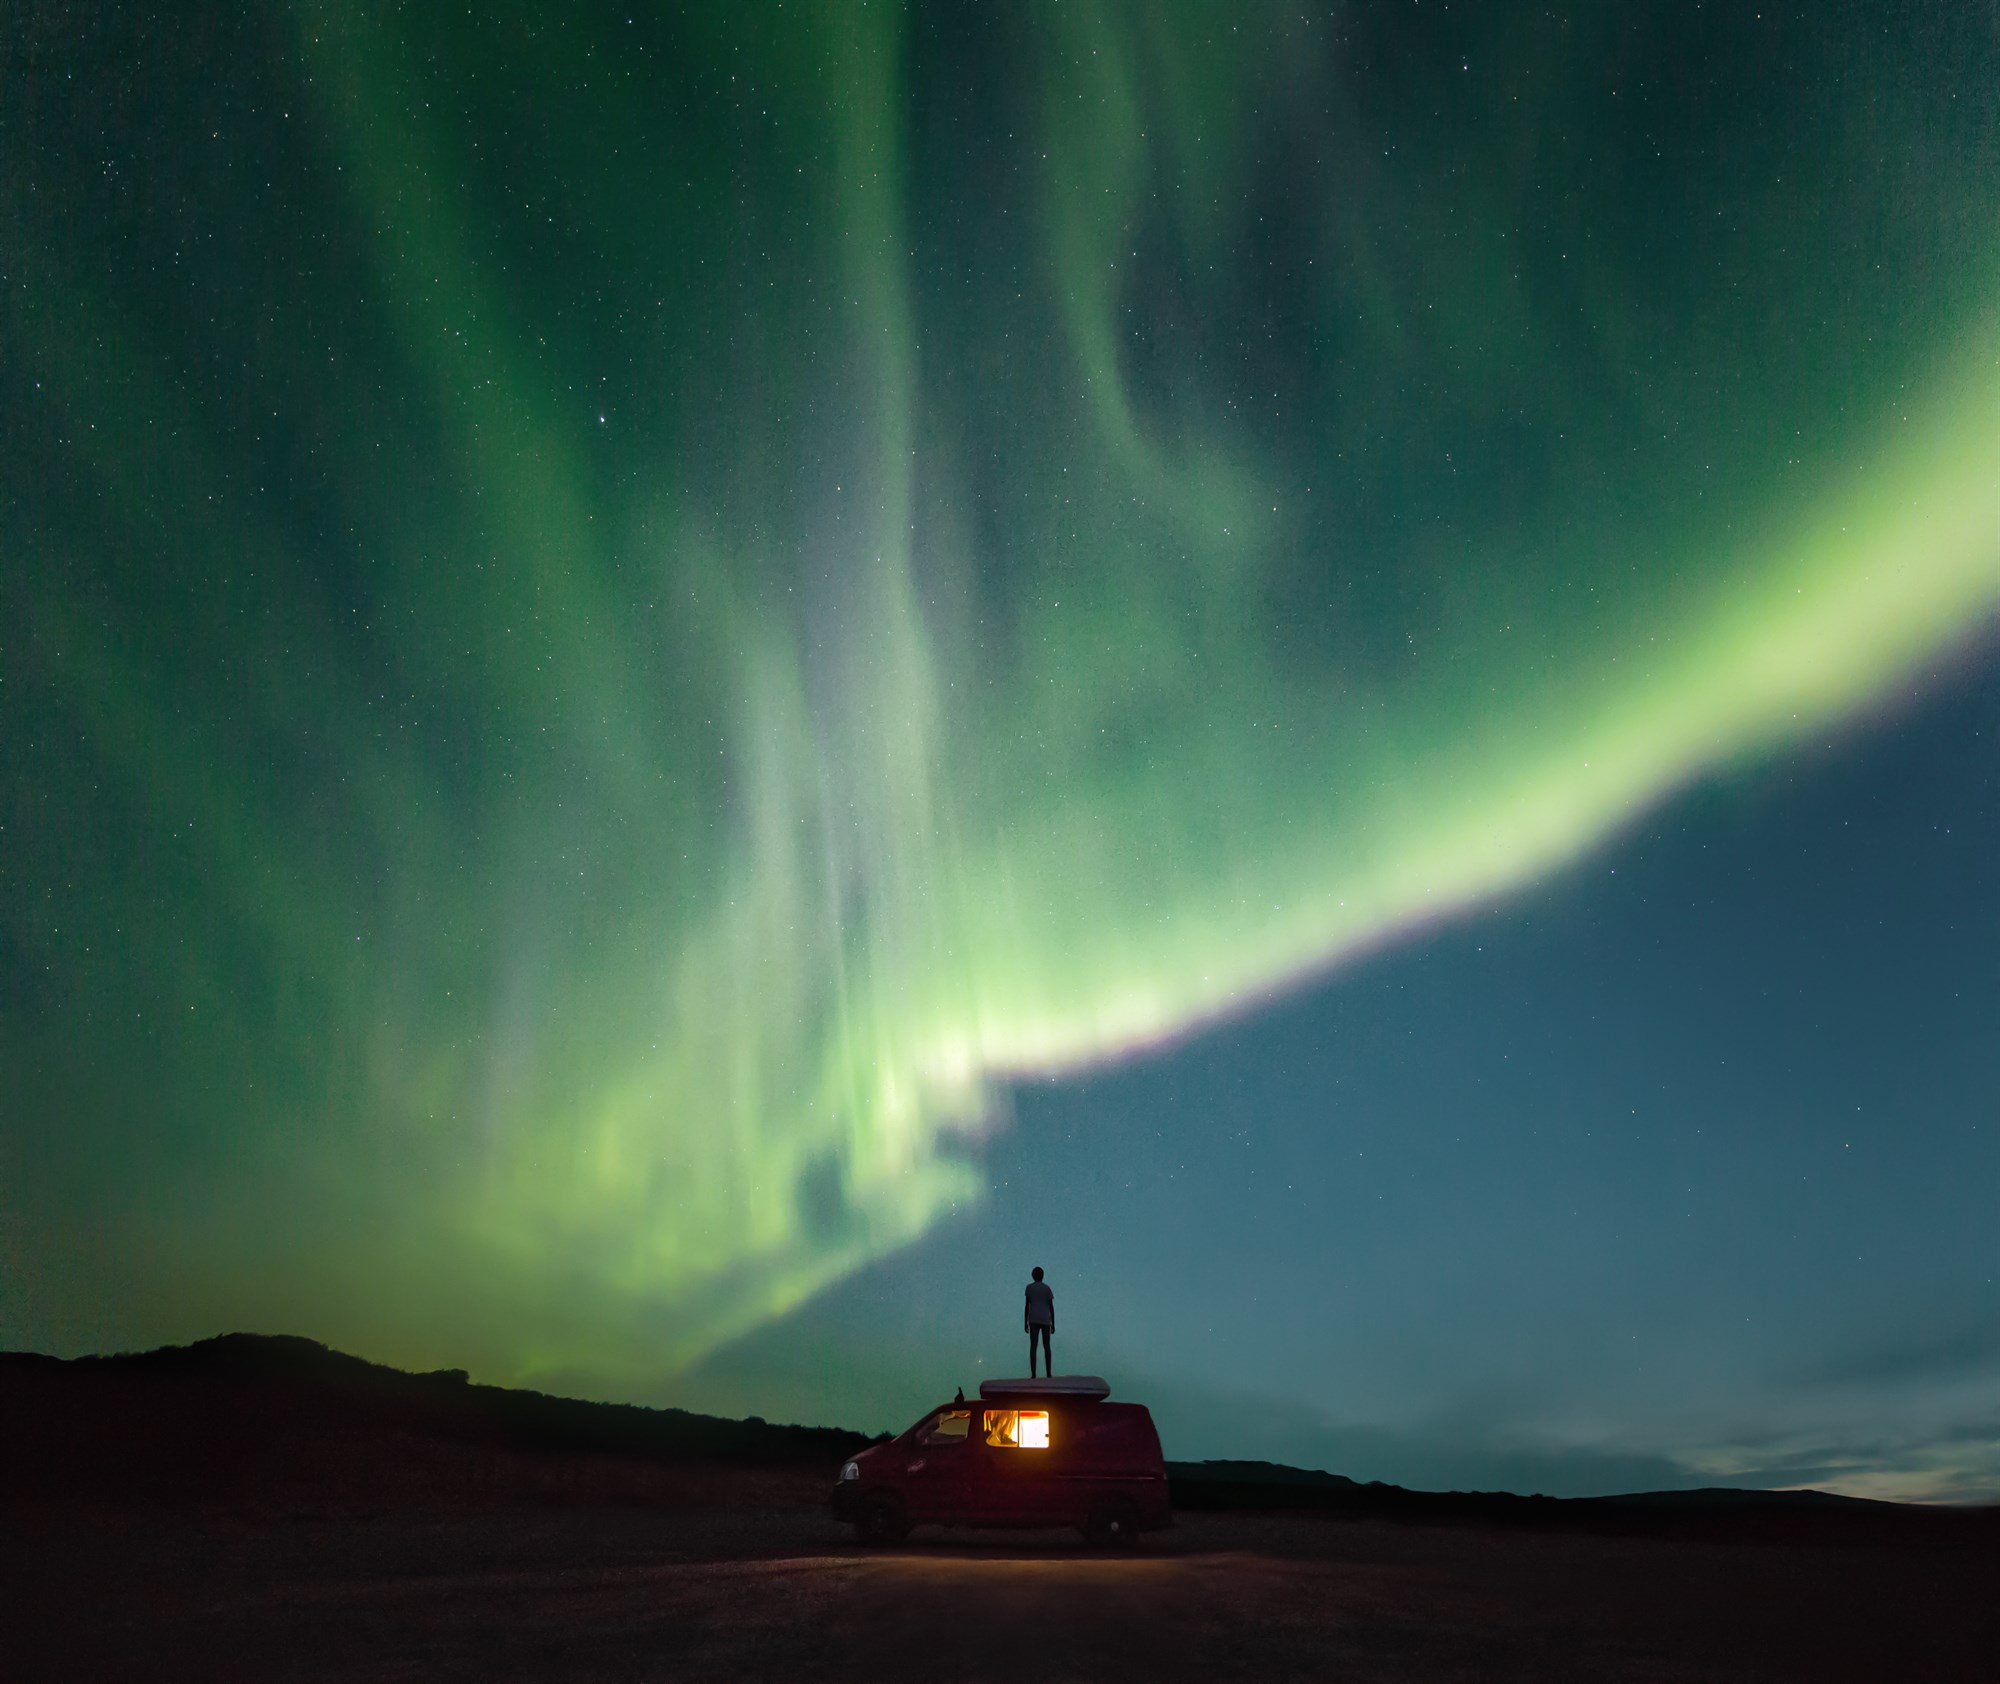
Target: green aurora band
{"points": [[610, 624]]}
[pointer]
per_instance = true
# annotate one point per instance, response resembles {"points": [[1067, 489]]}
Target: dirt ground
{"points": [[782, 1593]]}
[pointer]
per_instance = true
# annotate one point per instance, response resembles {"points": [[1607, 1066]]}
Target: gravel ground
{"points": [[580, 1593]]}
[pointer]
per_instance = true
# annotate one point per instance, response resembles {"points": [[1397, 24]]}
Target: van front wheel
{"points": [[1113, 1526], [881, 1520]]}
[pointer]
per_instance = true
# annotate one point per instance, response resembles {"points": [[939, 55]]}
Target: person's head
{"points": [[1038, 1271]]}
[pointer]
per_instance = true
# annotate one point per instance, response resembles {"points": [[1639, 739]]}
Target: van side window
{"points": [[1017, 1429], [948, 1426]]}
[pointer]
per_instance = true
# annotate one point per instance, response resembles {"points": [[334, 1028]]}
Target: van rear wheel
{"points": [[1113, 1525], [881, 1520]]}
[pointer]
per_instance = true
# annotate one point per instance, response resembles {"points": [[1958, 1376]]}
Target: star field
{"points": [[616, 622]]}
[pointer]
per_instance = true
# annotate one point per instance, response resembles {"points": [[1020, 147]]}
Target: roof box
{"points": [[1058, 1385]]}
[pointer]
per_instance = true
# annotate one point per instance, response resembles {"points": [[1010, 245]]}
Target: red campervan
{"points": [[1028, 1453]]}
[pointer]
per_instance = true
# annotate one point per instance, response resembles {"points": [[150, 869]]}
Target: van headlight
{"points": [[851, 1471]]}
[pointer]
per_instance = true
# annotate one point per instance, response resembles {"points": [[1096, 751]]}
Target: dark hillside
{"points": [[1714, 1512], [286, 1422], [284, 1425]]}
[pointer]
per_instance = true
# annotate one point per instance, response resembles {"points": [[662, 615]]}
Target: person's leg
{"points": [[1031, 1350]]}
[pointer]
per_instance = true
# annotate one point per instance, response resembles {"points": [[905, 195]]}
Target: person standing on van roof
{"points": [[1038, 1316]]}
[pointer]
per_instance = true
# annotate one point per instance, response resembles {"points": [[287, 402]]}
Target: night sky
{"points": [[679, 684]]}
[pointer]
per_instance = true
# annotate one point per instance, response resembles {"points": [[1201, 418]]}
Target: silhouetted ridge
{"points": [[250, 1415], [285, 1422], [1734, 1496], [1259, 1473], [1276, 1485], [1273, 1488], [249, 1355]]}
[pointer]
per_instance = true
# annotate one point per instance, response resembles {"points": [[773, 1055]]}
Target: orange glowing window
{"points": [[1017, 1429]]}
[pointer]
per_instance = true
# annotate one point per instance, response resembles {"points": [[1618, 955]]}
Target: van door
{"points": [[1021, 1483], [939, 1470]]}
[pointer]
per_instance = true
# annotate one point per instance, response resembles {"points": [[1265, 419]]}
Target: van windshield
{"points": [[1017, 1429]]}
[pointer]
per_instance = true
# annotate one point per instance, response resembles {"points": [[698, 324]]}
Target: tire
{"points": [[1113, 1526], [882, 1520]]}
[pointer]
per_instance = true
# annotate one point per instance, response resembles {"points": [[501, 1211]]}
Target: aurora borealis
{"points": [[612, 619]]}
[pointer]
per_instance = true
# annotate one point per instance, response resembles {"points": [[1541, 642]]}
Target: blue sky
{"points": [[1677, 1170]]}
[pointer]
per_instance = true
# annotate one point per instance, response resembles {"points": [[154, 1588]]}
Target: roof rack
{"points": [[1083, 1387]]}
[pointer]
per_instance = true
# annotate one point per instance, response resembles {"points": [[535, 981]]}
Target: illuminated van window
{"points": [[949, 1427], [1017, 1429]]}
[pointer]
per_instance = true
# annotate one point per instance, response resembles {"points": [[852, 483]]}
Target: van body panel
{"points": [[982, 1463]]}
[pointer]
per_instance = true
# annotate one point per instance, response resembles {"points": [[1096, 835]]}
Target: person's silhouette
{"points": [[1038, 1316]]}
